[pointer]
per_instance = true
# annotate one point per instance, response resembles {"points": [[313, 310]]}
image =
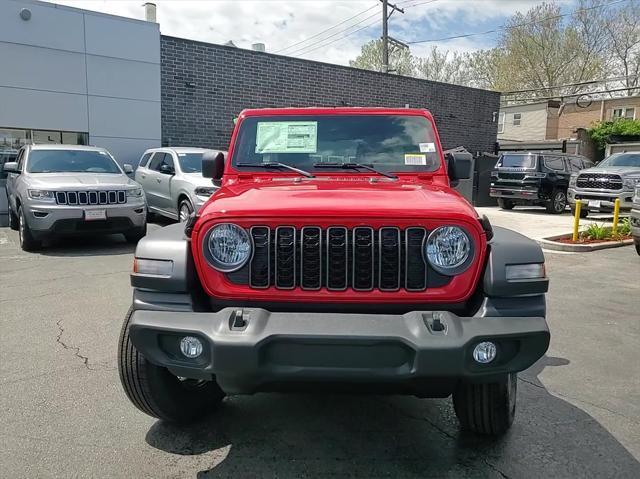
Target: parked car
{"points": [[635, 219], [534, 178], [613, 178], [335, 255], [173, 182], [57, 190]]}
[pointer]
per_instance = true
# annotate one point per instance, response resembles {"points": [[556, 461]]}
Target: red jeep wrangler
{"points": [[334, 256]]}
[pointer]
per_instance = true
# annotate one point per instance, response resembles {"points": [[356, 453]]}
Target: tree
{"points": [[370, 58], [623, 30], [443, 66]]}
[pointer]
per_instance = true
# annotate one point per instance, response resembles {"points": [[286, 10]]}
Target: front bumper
{"points": [[606, 198], [515, 193], [401, 353], [53, 220]]}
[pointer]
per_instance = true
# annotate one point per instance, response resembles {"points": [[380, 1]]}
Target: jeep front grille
{"points": [[337, 258], [601, 181], [102, 197]]}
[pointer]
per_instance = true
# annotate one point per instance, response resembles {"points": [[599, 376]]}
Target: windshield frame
{"points": [[119, 170], [605, 163], [312, 114]]}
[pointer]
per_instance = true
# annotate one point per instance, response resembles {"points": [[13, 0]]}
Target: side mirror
{"points": [[459, 165], [10, 167], [167, 170], [213, 165], [128, 169]]}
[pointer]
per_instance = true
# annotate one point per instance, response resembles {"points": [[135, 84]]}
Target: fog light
{"points": [[191, 347], [484, 352]]}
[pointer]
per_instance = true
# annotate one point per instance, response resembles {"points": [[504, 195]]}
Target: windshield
{"points": [[71, 161], [517, 161], [621, 159], [390, 143], [190, 162]]}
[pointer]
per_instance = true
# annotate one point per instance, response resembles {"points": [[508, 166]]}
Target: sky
{"points": [[323, 30]]}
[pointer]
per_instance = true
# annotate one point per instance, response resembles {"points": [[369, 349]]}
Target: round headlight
{"points": [[448, 250], [229, 247]]}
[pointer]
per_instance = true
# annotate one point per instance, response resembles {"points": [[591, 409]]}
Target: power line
{"points": [[590, 82], [312, 47], [326, 30], [572, 95], [505, 27]]}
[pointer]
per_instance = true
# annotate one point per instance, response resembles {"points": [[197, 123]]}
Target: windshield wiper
{"points": [[353, 166], [276, 165]]}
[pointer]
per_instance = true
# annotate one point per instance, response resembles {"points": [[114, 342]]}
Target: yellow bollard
{"points": [[616, 213], [576, 220]]}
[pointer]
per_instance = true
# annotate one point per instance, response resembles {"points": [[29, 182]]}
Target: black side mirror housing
{"points": [[167, 170], [459, 165], [213, 165]]}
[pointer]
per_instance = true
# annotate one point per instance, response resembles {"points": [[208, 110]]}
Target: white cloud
{"points": [[280, 24]]}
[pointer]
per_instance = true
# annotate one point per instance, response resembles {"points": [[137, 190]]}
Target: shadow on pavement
{"points": [[99, 245], [363, 436]]}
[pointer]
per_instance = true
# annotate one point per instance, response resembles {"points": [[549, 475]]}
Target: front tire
{"points": [[558, 202], [27, 241], [638, 248], [14, 223], [487, 408], [185, 210], [157, 392], [584, 212], [505, 204]]}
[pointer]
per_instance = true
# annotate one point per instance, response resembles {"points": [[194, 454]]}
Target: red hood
{"points": [[338, 198]]}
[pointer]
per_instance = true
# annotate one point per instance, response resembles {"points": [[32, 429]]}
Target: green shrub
{"points": [[597, 232], [602, 130], [624, 227]]}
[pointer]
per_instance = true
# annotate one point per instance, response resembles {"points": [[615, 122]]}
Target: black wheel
{"points": [[558, 202], [27, 241], [184, 210], [157, 392], [505, 204], [638, 248], [136, 235], [14, 223], [584, 212], [487, 408]]}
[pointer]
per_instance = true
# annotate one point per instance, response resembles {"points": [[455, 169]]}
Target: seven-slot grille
{"points": [[338, 258], [601, 181], [98, 197]]}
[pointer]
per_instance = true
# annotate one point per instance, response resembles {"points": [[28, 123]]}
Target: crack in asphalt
{"points": [[564, 396], [404, 413], [76, 350]]}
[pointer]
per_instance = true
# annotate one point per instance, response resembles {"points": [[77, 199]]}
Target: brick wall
{"points": [[204, 86]]}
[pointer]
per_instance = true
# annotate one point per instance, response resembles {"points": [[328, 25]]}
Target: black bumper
{"points": [[401, 353]]}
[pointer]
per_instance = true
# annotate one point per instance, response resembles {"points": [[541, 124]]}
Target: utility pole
{"points": [[385, 32]]}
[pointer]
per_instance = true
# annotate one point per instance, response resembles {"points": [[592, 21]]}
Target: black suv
{"points": [[534, 178]]}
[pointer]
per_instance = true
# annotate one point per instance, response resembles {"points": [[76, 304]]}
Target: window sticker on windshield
{"points": [[182, 154], [287, 137], [427, 147], [415, 159]]}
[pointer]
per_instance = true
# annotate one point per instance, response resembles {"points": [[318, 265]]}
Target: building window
{"points": [[501, 122], [624, 112], [516, 119]]}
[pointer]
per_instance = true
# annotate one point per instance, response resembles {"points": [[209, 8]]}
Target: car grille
{"points": [[511, 176], [600, 181], [106, 197], [337, 258]]}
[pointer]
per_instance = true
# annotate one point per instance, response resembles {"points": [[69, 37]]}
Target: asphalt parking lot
{"points": [[64, 413]]}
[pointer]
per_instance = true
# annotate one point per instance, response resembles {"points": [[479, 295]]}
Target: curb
{"points": [[550, 244]]}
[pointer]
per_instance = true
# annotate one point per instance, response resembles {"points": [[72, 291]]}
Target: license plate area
{"points": [[594, 203], [95, 215]]}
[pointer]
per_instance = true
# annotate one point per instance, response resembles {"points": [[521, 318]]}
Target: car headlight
{"points": [[573, 179], [449, 250], [135, 192], [631, 182], [42, 195], [229, 247], [205, 191]]}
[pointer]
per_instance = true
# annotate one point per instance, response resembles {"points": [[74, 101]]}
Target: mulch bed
{"points": [[569, 240]]}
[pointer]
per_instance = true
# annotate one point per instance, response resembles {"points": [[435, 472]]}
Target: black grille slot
{"points": [[102, 197], [311, 257], [285, 257], [93, 197], [61, 198], [602, 181], [363, 259], [122, 197], [82, 197], [415, 267], [72, 198], [389, 262], [337, 243], [260, 266]]}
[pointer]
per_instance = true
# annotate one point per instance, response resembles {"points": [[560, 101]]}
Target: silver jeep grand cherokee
{"points": [[599, 187], [56, 190]]}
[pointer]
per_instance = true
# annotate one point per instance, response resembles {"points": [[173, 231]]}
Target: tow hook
{"points": [[237, 321]]}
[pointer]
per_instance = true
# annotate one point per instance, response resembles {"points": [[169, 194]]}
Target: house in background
{"points": [[560, 125]]}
